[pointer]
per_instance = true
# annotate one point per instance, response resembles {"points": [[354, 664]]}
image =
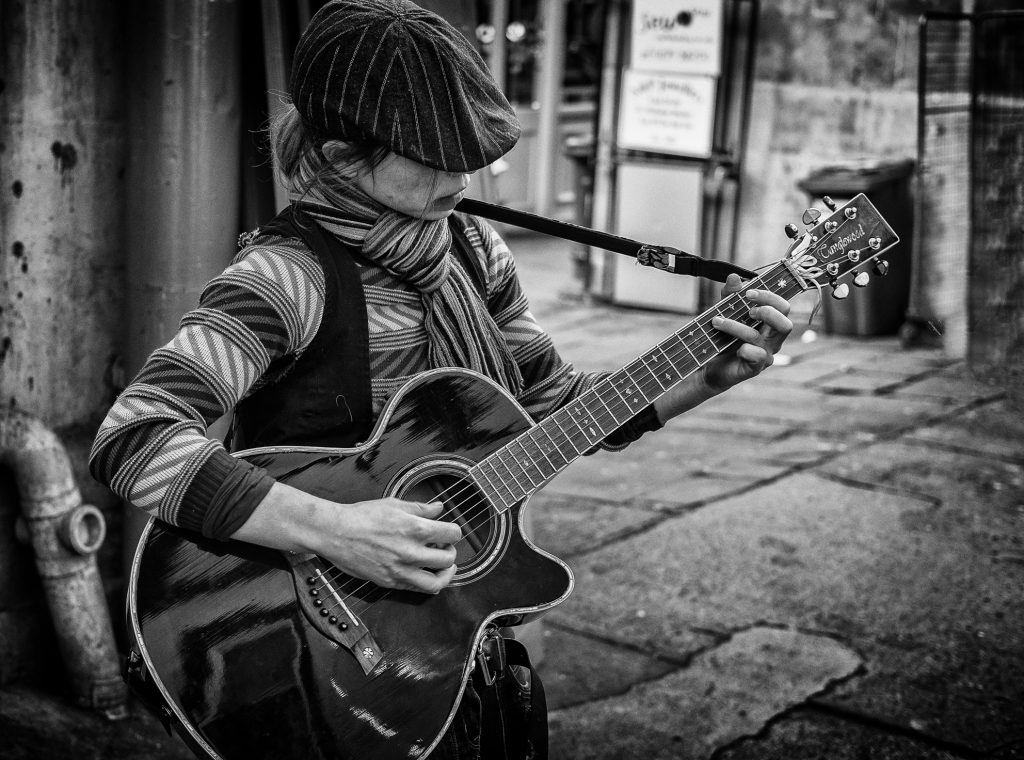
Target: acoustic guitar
{"points": [[255, 653]]}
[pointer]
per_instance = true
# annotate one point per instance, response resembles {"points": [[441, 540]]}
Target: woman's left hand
{"points": [[759, 344]]}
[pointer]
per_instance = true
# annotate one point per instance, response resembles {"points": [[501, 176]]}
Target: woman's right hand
{"points": [[393, 543]]}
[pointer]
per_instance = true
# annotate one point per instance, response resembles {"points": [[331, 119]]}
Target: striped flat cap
{"points": [[405, 78]]}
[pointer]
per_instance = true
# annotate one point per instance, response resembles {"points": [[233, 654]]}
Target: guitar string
{"points": [[723, 308], [732, 307], [719, 308], [468, 487]]}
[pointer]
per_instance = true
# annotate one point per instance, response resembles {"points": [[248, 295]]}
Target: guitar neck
{"points": [[528, 462]]}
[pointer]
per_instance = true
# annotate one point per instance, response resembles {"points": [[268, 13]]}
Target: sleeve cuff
{"points": [[224, 494], [645, 421]]}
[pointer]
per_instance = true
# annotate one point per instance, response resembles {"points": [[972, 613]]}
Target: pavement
{"points": [[825, 562]]}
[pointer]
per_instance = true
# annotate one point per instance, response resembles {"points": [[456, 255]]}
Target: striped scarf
{"points": [[460, 330]]}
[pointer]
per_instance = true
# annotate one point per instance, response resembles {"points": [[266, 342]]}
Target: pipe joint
{"points": [[83, 529]]}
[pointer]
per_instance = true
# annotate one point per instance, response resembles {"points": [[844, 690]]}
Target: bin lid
{"points": [[855, 178]]}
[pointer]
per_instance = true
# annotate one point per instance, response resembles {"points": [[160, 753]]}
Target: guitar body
{"points": [[229, 638]]}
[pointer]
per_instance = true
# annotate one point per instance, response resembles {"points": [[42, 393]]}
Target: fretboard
{"points": [[529, 461]]}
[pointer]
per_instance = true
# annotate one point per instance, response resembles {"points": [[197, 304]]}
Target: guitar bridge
{"points": [[328, 612]]}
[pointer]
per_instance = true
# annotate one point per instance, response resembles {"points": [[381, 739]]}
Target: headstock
{"points": [[848, 241]]}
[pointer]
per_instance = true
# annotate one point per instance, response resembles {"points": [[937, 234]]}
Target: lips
{"points": [[452, 199]]}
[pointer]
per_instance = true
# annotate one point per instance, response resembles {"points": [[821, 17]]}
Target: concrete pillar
{"points": [[61, 158], [61, 267], [183, 174]]}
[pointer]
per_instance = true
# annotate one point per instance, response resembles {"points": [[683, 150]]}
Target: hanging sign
{"points": [[684, 36], [666, 113]]}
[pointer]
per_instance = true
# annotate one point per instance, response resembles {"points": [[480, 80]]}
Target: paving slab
{"points": [[967, 693], [566, 525], [994, 429], [951, 383], [796, 552], [34, 725], [588, 669], [885, 565], [728, 692], [859, 382], [807, 735], [810, 409], [675, 467], [717, 421], [911, 361], [800, 371]]}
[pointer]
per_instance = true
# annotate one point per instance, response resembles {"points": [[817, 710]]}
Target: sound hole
{"points": [[466, 506]]}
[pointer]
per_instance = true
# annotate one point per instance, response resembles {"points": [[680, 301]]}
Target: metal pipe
{"points": [[65, 535], [552, 65]]}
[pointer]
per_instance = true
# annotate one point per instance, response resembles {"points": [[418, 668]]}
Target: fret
{"points": [[565, 460], [615, 387], [591, 434], [741, 307], [597, 393], [671, 377], [530, 460], [535, 440], [632, 396], [704, 349], [745, 305], [501, 455], [640, 375], [685, 344], [480, 468], [653, 373], [526, 461], [555, 421]]}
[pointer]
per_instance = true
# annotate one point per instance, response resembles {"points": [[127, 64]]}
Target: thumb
{"points": [[429, 510]]}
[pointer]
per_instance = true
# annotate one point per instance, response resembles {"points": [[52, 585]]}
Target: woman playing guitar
{"points": [[368, 280]]}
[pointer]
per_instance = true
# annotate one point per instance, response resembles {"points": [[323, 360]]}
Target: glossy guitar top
{"points": [[238, 658]]}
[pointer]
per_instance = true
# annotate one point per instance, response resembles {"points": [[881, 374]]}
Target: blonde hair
{"points": [[298, 151]]}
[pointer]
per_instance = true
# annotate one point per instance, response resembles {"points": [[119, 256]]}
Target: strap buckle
{"points": [[491, 658]]}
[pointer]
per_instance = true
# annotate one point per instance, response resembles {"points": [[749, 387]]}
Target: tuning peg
{"points": [[810, 216], [792, 231], [881, 267], [861, 279], [831, 204], [850, 212], [839, 292]]}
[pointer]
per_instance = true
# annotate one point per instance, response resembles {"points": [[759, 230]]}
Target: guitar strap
{"points": [[513, 708], [658, 256]]}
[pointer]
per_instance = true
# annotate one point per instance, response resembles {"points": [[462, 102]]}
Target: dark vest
{"points": [[323, 397]]}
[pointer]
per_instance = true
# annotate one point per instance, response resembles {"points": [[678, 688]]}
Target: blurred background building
{"points": [[131, 156]]}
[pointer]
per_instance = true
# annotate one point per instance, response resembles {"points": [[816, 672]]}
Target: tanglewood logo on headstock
{"points": [[841, 244]]}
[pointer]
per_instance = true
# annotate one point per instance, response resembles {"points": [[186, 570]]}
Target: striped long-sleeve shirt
{"points": [[152, 448]]}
